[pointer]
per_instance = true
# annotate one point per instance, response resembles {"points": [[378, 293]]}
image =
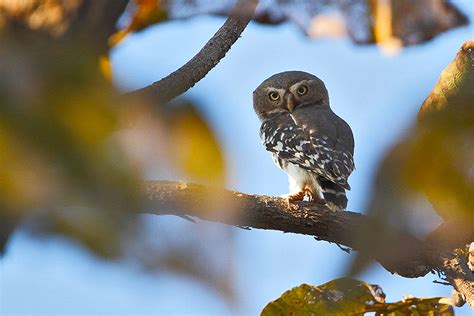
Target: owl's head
{"points": [[289, 91]]}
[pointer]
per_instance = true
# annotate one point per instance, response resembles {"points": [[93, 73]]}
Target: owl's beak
{"points": [[290, 102]]}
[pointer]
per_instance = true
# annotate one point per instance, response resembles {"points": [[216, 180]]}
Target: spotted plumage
{"points": [[305, 138]]}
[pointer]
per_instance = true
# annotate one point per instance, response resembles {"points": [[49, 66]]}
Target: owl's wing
{"points": [[309, 149]]}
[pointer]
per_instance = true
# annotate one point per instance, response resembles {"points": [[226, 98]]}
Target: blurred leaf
{"points": [[441, 156], [315, 18], [438, 163], [143, 13], [201, 251], [414, 22], [350, 297], [60, 164], [103, 232], [105, 67], [383, 30], [53, 16], [390, 23], [435, 159], [73, 152], [406, 22], [194, 147]]}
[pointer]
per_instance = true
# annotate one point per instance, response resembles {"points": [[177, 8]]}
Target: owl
{"points": [[305, 138]]}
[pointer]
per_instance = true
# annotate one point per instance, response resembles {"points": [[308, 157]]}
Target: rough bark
{"points": [[404, 255], [461, 277], [207, 58]]}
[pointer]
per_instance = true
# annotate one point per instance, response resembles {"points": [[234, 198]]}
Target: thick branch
{"points": [[208, 57], [403, 254]]}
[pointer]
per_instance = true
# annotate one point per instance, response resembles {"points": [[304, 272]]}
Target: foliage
{"points": [[432, 161], [194, 147], [436, 156], [73, 149], [57, 122], [446, 134], [350, 297], [143, 13], [388, 23], [52, 16]]}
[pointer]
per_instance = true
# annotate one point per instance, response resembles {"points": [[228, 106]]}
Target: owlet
{"points": [[306, 139]]}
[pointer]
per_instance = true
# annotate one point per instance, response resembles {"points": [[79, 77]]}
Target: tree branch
{"points": [[207, 58], [461, 277], [404, 254]]}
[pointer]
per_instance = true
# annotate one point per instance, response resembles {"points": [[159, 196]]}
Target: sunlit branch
{"points": [[404, 254], [207, 58], [461, 277]]}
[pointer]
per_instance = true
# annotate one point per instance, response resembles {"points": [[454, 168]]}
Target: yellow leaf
{"points": [[196, 150], [145, 13], [383, 32], [105, 67]]}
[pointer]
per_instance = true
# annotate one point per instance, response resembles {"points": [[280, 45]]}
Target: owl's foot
{"points": [[292, 197]]}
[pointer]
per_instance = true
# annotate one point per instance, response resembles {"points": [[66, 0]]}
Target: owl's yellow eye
{"points": [[302, 90], [274, 96]]}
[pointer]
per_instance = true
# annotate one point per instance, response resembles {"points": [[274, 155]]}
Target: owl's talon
{"points": [[294, 197]]}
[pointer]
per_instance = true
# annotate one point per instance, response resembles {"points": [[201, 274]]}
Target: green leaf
{"points": [[337, 297], [416, 306], [350, 297]]}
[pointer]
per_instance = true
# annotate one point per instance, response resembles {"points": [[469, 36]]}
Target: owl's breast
{"points": [[294, 171]]}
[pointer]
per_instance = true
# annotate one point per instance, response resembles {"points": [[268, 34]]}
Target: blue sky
{"points": [[378, 95]]}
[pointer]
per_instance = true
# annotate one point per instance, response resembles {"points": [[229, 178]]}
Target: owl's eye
{"points": [[302, 90], [274, 96]]}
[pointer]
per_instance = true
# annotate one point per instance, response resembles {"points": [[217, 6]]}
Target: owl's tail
{"points": [[334, 195]]}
